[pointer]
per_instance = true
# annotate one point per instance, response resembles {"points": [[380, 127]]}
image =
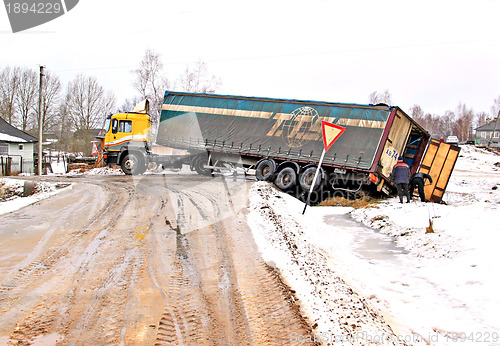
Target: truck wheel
{"points": [[198, 165], [131, 164], [286, 178], [306, 179], [265, 170]]}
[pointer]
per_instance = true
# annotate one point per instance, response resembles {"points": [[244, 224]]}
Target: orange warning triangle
{"points": [[331, 133]]}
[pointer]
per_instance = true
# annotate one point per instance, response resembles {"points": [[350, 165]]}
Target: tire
{"points": [[286, 179], [306, 177], [132, 164], [265, 170], [198, 165]]}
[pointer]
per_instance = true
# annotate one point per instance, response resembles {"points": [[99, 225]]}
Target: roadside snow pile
{"points": [[338, 314], [12, 193], [97, 171]]}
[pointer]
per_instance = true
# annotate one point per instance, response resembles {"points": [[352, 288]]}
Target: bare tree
{"points": [[384, 97], [27, 96], [51, 99], [129, 104], [495, 109], [64, 125], [197, 79], [434, 124], [417, 114], [448, 120], [87, 106], [151, 83], [481, 119], [9, 83], [462, 126]]}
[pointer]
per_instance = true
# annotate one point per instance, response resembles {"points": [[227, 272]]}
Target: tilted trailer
{"points": [[282, 140]]}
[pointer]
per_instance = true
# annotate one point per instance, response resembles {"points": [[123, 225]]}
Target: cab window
{"points": [[107, 123], [114, 126], [125, 126]]}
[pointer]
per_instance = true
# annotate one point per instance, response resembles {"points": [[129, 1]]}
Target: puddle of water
{"points": [[368, 243]]}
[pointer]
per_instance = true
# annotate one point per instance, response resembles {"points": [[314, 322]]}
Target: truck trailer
{"points": [[282, 140]]}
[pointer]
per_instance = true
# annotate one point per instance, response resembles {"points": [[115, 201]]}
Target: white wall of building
{"points": [[21, 152]]}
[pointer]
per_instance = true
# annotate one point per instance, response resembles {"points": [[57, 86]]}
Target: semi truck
{"points": [[281, 139]]}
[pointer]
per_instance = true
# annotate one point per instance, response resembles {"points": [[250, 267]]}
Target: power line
{"points": [[276, 56]]}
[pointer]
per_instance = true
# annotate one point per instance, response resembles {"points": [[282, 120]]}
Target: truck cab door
{"points": [[439, 161]]}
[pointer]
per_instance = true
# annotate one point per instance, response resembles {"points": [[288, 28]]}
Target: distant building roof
{"points": [[489, 126], [92, 132], [9, 133]]}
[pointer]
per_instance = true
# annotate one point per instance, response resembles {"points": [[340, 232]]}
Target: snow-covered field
{"points": [[436, 288]]}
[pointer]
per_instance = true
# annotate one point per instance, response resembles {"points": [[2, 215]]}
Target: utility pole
{"points": [[40, 122]]}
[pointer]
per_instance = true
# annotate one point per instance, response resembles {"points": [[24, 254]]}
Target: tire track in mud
{"points": [[186, 317], [45, 316], [134, 276], [28, 278], [58, 250], [34, 270], [206, 302], [271, 312], [185, 199], [104, 318]]}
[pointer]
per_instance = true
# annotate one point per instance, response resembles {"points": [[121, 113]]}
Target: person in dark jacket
{"points": [[418, 180], [401, 177]]}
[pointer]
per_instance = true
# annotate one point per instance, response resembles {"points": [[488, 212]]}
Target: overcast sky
{"points": [[431, 53]]}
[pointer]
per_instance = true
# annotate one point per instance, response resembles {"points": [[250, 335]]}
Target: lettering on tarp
{"points": [[392, 153]]}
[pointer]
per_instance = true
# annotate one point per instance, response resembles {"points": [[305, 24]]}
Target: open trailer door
{"points": [[439, 161]]}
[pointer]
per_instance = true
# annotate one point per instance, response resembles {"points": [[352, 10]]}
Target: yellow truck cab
{"points": [[127, 141]]}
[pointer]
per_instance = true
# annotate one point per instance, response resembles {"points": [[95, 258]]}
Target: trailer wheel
{"points": [[131, 164], [199, 166], [265, 170], [286, 178], [306, 179]]}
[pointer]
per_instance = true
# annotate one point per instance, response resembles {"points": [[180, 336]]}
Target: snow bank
{"points": [[97, 171], [12, 191], [336, 312]]}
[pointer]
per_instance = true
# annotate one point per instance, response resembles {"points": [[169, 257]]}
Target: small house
{"points": [[16, 150], [489, 132]]}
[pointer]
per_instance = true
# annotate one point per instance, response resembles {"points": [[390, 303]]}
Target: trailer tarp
{"points": [[286, 129]]}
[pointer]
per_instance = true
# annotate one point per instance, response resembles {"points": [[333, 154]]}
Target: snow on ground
{"points": [[437, 288], [97, 171], [11, 191]]}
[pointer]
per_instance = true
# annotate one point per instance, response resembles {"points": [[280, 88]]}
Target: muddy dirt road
{"points": [[140, 261]]}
